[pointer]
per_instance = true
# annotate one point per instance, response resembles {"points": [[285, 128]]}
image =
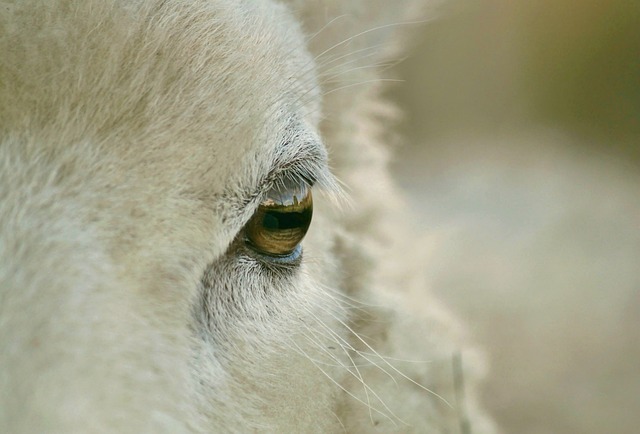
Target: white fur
{"points": [[130, 134]]}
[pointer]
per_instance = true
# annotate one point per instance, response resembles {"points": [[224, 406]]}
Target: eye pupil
{"points": [[281, 221], [270, 221], [277, 220]]}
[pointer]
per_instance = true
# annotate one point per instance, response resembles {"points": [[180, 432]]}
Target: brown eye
{"points": [[281, 221]]}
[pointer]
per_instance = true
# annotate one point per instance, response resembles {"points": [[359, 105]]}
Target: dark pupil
{"points": [[275, 220]]}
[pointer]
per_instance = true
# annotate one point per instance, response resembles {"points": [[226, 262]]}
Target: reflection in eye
{"points": [[281, 221]]}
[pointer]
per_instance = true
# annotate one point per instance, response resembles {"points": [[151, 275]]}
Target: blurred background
{"points": [[522, 158]]}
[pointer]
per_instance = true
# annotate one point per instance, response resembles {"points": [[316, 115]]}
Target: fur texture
{"points": [[136, 140]]}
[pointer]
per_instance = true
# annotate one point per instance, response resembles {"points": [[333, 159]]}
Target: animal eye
{"points": [[281, 221]]}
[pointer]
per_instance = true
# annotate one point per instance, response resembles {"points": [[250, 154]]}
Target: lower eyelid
{"points": [[274, 265], [293, 259]]}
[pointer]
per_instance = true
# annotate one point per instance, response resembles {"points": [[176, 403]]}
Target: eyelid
{"points": [[296, 172], [310, 172], [303, 162]]}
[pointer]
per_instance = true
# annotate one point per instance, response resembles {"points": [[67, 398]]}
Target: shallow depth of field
{"points": [[522, 160]]}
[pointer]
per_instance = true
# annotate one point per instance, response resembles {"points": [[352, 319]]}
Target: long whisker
{"points": [[357, 374], [323, 28], [367, 388], [359, 353], [377, 80], [324, 63], [403, 375], [351, 38], [330, 78], [339, 385]]}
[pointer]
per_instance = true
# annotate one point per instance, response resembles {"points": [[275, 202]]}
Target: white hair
{"points": [[137, 139]]}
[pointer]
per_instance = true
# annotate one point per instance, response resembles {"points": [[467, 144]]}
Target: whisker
{"points": [[399, 360], [344, 428], [357, 374], [358, 352], [340, 294], [351, 38], [367, 388], [323, 28], [330, 78], [377, 80], [328, 62], [387, 362], [340, 386]]}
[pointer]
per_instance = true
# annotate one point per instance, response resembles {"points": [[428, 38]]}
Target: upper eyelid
{"points": [[309, 166], [293, 173], [300, 157]]}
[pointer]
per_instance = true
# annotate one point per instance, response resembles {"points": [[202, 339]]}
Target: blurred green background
{"points": [[485, 66], [522, 160]]}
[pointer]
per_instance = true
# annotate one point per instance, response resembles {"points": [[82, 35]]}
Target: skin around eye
{"points": [[281, 221]]}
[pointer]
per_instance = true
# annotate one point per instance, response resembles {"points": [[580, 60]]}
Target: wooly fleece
{"points": [[137, 139]]}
